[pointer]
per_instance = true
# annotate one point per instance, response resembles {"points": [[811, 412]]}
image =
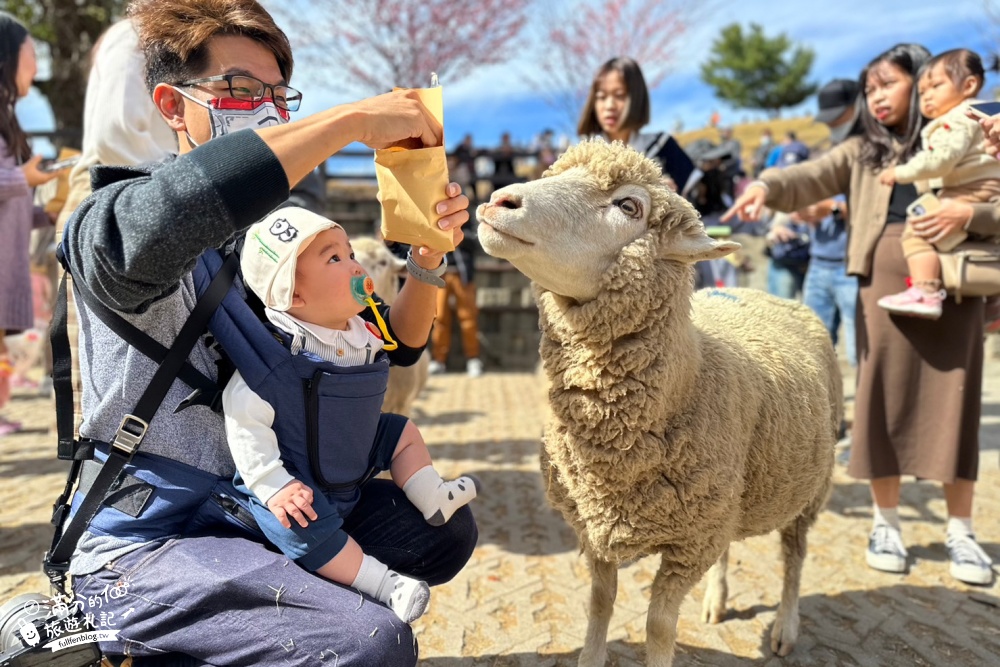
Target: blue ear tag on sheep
{"points": [[720, 293]]}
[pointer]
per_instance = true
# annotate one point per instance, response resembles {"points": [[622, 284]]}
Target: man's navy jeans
{"points": [[226, 599]]}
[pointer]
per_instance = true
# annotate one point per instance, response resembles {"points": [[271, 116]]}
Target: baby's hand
{"points": [[888, 176], [295, 500]]}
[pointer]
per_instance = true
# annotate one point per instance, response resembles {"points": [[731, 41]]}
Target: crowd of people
{"points": [[190, 145]]}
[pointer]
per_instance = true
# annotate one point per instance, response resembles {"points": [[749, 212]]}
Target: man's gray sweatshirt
{"points": [[133, 245]]}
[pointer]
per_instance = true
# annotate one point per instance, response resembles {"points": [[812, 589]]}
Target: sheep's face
{"points": [[381, 265], [568, 231], [564, 231]]}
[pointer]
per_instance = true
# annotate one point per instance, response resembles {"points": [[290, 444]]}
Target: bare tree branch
{"points": [[367, 47]]}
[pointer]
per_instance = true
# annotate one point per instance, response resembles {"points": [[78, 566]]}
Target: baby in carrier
{"points": [[303, 470]]}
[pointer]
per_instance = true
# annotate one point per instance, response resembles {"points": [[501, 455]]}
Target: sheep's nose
{"points": [[503, 199]]}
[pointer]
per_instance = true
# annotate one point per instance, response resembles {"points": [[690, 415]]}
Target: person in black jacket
{"points": [[617, 108]]}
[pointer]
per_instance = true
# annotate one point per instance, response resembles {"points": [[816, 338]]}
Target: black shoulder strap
{"points": [[133, 427], [206, 391], [62, 379]]}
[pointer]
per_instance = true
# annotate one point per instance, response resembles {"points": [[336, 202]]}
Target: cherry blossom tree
{"points": [[582, 37], [370, 46]]}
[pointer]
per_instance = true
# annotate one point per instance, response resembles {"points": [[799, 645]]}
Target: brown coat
{"points": [[840, 172], [917, 401]]}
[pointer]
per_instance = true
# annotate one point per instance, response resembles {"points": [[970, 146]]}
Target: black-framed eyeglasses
{"points": [[244, 87]]}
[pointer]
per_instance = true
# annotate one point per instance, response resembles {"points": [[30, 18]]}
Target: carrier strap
{"points": [[206, 391], [133, 426]]}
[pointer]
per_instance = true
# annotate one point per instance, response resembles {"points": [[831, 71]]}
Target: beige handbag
{"points": [[971, 269]]}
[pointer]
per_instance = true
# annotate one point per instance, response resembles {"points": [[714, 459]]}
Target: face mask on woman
{"points": [[229, 114]]}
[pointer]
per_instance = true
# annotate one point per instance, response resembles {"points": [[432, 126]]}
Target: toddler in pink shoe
{"points": [[953, 159]]}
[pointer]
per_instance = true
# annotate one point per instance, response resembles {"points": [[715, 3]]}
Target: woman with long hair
{"points": [[919, 391], [19, 173], [617, 108]]}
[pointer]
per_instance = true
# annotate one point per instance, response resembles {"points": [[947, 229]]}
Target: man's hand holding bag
{"points": [[410, 183]]}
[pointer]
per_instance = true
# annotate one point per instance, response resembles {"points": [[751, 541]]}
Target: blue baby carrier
{"points": [[345, 400], [319, 396]]}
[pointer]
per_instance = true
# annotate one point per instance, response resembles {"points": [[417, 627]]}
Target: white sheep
{"points": [[680, 422], [405, 382]]}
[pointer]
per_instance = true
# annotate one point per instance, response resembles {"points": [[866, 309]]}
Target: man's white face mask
{"points": [[229, 114]]}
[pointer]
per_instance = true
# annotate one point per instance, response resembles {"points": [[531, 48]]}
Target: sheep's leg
{"points": [[603, 590], [713, 605], [669, 589], [793, 551]]}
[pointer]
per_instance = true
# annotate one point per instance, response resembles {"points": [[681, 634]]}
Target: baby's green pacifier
{"points": [[362, 287]]}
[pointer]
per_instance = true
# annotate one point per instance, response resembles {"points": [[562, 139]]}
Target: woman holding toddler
{"points": [[918, 401]]}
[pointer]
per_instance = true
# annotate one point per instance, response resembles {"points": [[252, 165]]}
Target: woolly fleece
{"points": [[680, 422]]}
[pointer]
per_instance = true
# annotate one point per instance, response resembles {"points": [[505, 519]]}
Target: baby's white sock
{"points": [[406, 596], [885, 516], [437, 499], [958, 526]]}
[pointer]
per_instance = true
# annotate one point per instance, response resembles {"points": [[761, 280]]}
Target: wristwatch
{"points": [[429, 276]]}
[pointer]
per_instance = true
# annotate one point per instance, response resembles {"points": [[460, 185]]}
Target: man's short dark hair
{"points": [[174, 34]]}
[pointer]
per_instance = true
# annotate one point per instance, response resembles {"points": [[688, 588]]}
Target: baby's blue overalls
{"points": [[332, 437]]}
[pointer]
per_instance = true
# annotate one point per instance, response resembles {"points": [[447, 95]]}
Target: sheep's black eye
{"points": [[629, 206]]}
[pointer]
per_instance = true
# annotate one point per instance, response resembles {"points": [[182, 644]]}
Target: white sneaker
{"points": [[473, 368], [969, 563], [436, 368], [885, 549]]}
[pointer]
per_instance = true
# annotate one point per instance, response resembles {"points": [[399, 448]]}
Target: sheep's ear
{"points": [[698, 246]]}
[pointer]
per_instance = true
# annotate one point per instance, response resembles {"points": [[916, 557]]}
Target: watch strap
{"points": [[429, 276]]}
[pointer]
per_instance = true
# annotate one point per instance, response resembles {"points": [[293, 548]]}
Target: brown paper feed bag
{"points": [[411, 183]]}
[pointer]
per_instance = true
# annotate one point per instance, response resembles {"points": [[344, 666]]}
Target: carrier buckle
{"points": [[129, 435], [55, 572]]}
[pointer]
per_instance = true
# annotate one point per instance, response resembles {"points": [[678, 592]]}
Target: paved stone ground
{"points": [[522, 599]]}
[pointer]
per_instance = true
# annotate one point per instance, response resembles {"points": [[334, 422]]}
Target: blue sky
{"points": [[845, 35]]}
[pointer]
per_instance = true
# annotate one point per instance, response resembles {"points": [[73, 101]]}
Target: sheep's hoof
{"points": [[712, 614], [780, 648], [593, 657], [713, 605], [783, 637]]}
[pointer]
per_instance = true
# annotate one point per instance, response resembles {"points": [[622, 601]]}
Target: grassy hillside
{"points": [[809, 132]]}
